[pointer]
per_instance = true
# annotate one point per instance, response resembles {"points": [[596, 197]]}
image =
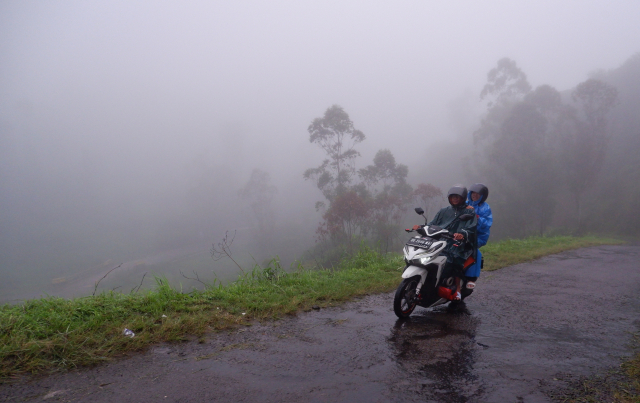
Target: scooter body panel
{"points": [[412, 270]]}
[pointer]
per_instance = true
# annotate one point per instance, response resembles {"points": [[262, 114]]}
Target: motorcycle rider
{"points": [[478, 194], [463, 232]]}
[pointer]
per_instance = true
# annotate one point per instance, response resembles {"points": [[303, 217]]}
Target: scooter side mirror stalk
{"points": [[420, 211]]}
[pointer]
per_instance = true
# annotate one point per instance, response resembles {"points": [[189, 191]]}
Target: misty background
{"points": [[129, 129]]}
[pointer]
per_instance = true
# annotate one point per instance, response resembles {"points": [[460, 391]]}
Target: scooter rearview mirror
{"points": [[419, 210], [466, 217]]}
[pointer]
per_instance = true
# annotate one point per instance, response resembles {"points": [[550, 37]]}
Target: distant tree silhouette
{"points": [[258, 192], [390, 194], [363, 204], [531, 145], [586, 139], [335, 135], [428, 197]]}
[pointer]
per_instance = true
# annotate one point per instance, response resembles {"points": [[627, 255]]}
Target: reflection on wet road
{"points": [[523, 333], [437, 350]]}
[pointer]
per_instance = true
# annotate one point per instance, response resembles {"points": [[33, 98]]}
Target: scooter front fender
{"points": [[411, 271]]}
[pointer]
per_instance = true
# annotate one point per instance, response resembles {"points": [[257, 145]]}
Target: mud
{"points": [[525, 334]]}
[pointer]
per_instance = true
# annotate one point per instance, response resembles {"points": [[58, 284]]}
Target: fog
{"points": [[128, 128]]}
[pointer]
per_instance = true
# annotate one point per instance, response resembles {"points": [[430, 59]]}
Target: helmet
{"points": [[458, 190], [481, 189]]}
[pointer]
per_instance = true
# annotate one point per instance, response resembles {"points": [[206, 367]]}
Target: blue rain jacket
{"points": [[485, 221], [483, 230]]}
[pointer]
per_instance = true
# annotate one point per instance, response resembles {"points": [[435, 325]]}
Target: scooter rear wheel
{"points": [[404, 301]]}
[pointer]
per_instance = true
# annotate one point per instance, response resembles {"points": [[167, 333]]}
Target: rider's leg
{"points": [[473, 271], [455, 268]]}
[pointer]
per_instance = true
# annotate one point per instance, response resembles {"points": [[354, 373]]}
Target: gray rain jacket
{"points": [[445, 216]]}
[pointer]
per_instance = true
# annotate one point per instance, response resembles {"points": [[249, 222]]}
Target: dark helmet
{"points": [[458, 190], [481, 189]]}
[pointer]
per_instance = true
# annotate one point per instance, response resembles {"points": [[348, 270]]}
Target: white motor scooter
{"points": [[426, 277]]}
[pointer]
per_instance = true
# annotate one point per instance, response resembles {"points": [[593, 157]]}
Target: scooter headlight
{"points": [[424, 260]]}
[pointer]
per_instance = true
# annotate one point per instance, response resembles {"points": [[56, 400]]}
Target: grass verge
{"points": [[54, 333], [513, 251], [617, 385]]}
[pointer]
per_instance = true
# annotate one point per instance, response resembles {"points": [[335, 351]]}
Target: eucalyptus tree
{"points": [[516, 148], [427, 196], [345, 217], [524, 161], [335, 134], [390, 194], [586, 141], [258, 192], [506, 85]]}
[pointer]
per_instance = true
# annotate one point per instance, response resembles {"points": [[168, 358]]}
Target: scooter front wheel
{"points": [[405, 300]]}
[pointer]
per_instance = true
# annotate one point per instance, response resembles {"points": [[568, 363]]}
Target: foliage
{"points": [[390, 197], [428, 197], [585, 146], [505, 82], [533, 148], [610, 202], [366, 209], [522, 157], [345, 219], [335, 134]]}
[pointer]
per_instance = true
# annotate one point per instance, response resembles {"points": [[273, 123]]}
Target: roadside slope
{"points": [[524, 335]]}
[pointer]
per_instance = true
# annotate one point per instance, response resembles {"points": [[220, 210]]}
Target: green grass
{"points": [[51, 333], [54, 333], [513, 251], [617, 385], [628, 391]]}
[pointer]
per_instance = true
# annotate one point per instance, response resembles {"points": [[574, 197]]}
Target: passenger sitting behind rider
{"points": [[463, 231], [478, 194]]}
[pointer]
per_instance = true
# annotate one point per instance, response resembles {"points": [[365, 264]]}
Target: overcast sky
{"points": [[134, 96], [170, 77]]}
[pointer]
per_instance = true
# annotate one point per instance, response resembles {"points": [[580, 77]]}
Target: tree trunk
{"points": [[578, 196]]}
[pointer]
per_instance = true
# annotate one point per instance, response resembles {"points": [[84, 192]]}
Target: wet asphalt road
{"points": [[522, 335]]}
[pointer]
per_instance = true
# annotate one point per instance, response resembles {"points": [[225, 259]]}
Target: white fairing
{"points": [[440, 261], [411, 271], [411, 252]]}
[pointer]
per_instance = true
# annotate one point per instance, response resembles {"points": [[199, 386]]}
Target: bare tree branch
{"points": [[103, 277], [138, 288], [197, 278], [223, 249]]}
